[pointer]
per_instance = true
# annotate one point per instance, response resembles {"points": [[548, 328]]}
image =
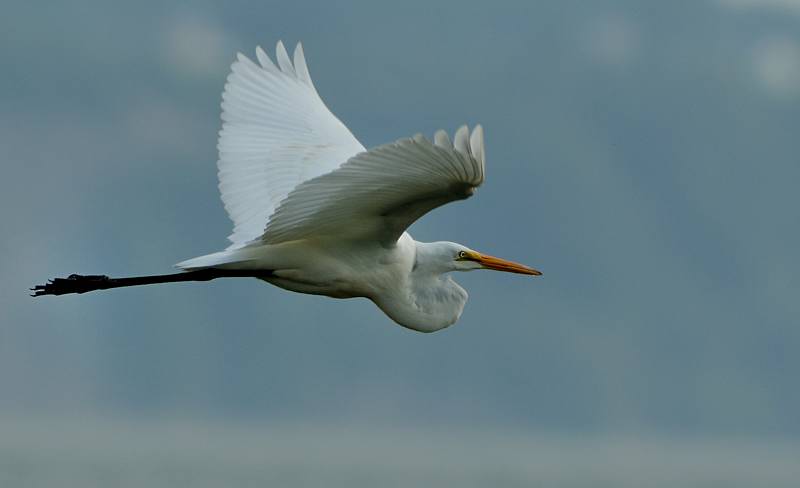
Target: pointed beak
{"points": [[491, 262]]}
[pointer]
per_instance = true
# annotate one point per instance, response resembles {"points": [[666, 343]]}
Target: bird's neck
{"points": [[432, 258]]}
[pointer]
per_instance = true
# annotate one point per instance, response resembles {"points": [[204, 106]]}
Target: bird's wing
{"points": [[276, 133], [377, 194]]}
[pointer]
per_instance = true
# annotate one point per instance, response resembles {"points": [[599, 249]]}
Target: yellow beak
{"points": [[499, 264]]}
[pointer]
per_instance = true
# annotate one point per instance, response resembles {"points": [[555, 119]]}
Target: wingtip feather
{"points": [[476, 144], [442, 139], [265, 61], [284, 61], [461, 141], [300, 66]]}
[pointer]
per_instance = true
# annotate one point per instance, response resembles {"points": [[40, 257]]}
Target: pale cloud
{"points": [[196, 46], [776, 65], [613, 40]]}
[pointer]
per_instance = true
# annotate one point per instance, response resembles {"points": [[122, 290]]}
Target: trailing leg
{"points": [[84, 283]]}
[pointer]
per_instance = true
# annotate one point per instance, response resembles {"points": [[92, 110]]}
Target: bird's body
{"points": [[338, 269], [315, 212], [401, 279]]}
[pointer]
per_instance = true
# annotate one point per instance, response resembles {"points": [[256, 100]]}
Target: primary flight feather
{"points": [[314, 212]]}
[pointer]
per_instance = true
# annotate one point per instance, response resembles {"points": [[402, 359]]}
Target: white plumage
{"points": [[323, 215], [276, 134]]}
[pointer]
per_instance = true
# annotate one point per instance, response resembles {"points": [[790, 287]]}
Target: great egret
{"points": [[315, 212]]}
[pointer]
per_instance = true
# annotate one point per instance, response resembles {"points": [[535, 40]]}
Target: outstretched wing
{"points": [[276, 133], [377, 194]]}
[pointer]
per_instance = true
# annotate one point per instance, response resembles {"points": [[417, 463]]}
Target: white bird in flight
{"points": [[315, 212]]}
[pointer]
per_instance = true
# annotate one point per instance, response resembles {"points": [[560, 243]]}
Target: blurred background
{"points": [[643, 154]]}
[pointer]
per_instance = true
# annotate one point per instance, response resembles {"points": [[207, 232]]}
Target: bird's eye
{"points": [[462, 254]]}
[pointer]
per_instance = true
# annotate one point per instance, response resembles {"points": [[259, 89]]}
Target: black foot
{"points": [[72, 284]]}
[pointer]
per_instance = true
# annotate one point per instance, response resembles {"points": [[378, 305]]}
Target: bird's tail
{"points": [[218, 259]]}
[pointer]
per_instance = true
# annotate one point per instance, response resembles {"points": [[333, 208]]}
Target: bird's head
{"points": [[451, 256]]}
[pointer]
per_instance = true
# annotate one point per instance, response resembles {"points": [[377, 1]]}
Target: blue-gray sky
{"points": [[644, 155]]}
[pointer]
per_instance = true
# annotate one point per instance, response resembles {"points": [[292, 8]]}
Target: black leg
{"points": [[84, 283]]}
